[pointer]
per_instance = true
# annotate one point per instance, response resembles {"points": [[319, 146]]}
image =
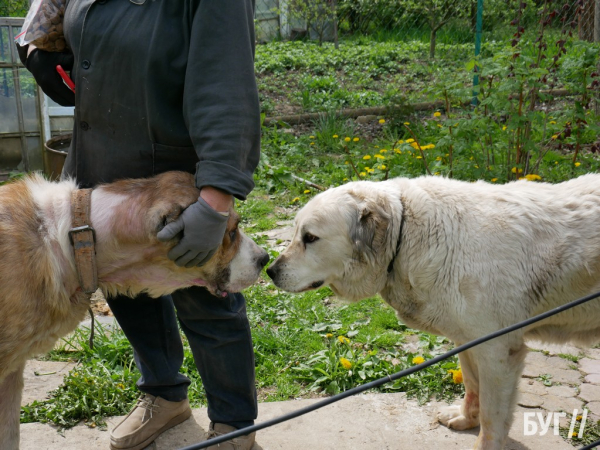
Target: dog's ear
{"points": [[371, 229], [163, 214]]}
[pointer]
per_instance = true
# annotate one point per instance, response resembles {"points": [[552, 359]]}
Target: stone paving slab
{"points": [[365, 422], [41, 377]]}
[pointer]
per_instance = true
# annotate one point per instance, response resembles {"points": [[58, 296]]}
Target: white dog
{"points": [[460, 260], [40, 296]]}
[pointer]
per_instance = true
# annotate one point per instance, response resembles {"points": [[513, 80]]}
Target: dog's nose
{"points": [[262, 262], [272, 271]]}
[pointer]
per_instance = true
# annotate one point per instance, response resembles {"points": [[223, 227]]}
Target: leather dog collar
{"points": [[83, 240]]}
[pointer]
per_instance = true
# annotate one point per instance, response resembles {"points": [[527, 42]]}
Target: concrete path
{"points": [[365, 422]]}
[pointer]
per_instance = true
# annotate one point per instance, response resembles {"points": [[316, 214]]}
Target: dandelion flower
{"points": [[383, 150], [367, 168], [356, 139], [439, 126], [408, 141], [345, 179], [397, 150], [381, 121], [457, 376], [329, 335], [437, 114], [378, 156], [414, 145], [335, 136], [312, 143], [307, 191], [504, 128], [514, 170], [296, 199], [347, 139], [418, 360], [577, 164], [347, 364], [494, 180], [311, 137], [120, 386], [554, 137], [362, 174], [419, 157], [343, 340], [406, 123], [552, 122], [532, 177], [367, 157], [579, 418], [347, 162], [439, 158], [383, 167]]}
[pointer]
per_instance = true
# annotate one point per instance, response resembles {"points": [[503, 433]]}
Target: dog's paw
{"points": [[452, 417]]}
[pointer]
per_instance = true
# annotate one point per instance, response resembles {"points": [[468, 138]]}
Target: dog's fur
{"points": [[40, 299], [473, 258]]}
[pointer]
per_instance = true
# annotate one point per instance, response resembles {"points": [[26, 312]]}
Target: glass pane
{"points": [[8, 103], [15, 32], [4, 45], [28, 100]]}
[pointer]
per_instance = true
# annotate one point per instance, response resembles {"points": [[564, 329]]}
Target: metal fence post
{"points": [[478, 49]]}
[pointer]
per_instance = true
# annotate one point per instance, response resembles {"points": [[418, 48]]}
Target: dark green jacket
{"points": [[166, 85]]}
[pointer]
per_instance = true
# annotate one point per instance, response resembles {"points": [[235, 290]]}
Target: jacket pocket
{"points": [[170, 157]]}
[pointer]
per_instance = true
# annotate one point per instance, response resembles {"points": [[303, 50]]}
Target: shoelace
{"points": [[235, 442], [148, 405]]}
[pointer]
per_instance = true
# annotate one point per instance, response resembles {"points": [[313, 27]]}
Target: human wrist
{"points": [[217, 199]]}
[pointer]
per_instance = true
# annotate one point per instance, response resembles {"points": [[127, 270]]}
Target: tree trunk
{"points": [[432, 37]]}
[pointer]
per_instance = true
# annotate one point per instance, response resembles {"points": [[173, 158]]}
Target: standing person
{"points": [[169, 85]]}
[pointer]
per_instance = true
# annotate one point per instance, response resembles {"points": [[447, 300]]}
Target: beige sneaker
{"points": [[150, 417], [239, 443]]}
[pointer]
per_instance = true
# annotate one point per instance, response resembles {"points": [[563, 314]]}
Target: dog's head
{"points": [[344, 238], [132, 260]]}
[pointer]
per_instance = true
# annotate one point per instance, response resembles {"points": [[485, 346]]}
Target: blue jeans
{"points": [[219, 335]]}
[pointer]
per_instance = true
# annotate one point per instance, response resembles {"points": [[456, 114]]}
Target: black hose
{"points": [[401, 374]]}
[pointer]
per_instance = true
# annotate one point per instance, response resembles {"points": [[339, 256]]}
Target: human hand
{"points": [[42, 65], [203, 230]]}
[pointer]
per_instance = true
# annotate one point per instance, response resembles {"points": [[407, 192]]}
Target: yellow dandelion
{"points": [[400, 141], [494, 180], [311, 137], [439, 158], [347, 364], [347, 162], [381, 121], [514, 170], [383, 167], [296, 199], [574, 433], [335, 136], [414, 145], [356, 139], [312, 143], [367, 168], [408, 141], [579, 418], [347, 139], [367, 157], [532, 177], [345, 179], [377, 146], [397, 150], [437, 114], [383, 150], [552, 122], [577, 164], [439, 126], [120, 386], [554, 137], [329, 335], [307, 191], [362, 174], [406, 123], [457, 376], [419, 157], [343, 340], [504, 128], [437, 173], [378, 156], [418, 360]]}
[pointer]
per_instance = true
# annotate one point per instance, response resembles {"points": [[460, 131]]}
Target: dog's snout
{"points": [[263, 260], [272, 271]]}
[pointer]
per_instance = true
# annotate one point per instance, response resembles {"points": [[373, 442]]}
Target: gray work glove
{"points": [[203, 230]]}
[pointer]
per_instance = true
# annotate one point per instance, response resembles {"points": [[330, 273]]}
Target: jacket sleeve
{"points": [[221, 106]]}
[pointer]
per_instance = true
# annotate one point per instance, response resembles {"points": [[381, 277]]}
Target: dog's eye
{"points": [[309, 238]]}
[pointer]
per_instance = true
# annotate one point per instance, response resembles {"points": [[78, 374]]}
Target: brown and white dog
{"points": [[40, 298], [460, 260]]}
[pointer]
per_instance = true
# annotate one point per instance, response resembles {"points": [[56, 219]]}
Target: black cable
{"points": [[381, 381], [590, 446]]}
